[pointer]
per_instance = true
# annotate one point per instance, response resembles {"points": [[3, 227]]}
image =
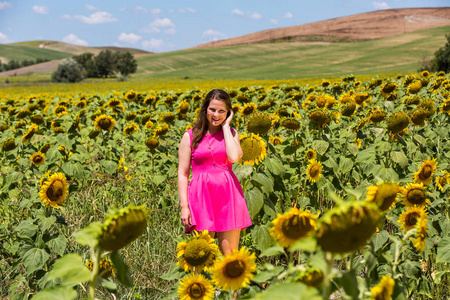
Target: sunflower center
{"points": [[37, 159], [426, 172], [104, 123], [296, 227], [197, 252], [310, 155], [416, 196], [55, 190], [446, 106], [386, 196], [411, 219], [234, 268], [314, 171], [196, 290]]}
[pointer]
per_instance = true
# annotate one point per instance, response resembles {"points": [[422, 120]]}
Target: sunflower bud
{"points": [[151, 143], [259, 123]]}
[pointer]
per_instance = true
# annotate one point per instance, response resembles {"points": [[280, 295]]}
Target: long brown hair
{"points": [[200, 127]]}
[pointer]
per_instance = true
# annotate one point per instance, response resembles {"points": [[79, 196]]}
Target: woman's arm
{"points": [[232, 142], [184, 166]]}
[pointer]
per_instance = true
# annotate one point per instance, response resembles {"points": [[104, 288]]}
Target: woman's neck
{"points": [[213, 129]]}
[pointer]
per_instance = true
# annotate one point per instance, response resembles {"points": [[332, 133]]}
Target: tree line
{"points": [[15, 64], [103, 65]]}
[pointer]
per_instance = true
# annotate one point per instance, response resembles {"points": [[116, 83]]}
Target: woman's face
{"points": [[216, 112]]}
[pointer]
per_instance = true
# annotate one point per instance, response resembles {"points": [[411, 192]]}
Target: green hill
{"points": [[21, 52], [401, 53]]}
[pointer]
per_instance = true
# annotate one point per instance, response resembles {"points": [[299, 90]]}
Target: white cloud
{"points": [[255, 16], [42, 10], [66, 17], [155, 11], [129, 38], [73, 39], [237, 12], [287, 15], [158, 24], [4, 39], [90, 7], [274, 21], [99, 17], [380, 5], [5, 5], [187, 10], [213, 35], [140, 10], [152, 44]]}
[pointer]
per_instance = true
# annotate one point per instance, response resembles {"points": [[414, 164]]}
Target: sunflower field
{"points": [[347, 183]]}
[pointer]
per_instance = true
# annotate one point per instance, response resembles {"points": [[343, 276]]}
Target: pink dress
{"points": [[215, 196]]}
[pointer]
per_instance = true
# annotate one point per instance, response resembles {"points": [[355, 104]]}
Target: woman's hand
{"points": [[230, 117], [186, 216]]}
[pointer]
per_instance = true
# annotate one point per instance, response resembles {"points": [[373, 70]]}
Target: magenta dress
{"points": [[215, 196]]}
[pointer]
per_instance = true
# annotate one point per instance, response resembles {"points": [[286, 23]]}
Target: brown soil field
{"points": [[365, 26]]}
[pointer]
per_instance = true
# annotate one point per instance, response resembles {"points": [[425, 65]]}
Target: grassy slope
{"points": [[22, 52], [297, 60]]}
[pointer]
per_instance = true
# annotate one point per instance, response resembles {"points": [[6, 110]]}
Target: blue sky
{"points": [[162, 26]]}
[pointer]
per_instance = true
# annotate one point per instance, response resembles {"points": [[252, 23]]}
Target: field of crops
{"points": [[347, 184]]}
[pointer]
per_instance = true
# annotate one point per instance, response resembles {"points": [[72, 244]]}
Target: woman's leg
{"points": [[212, 234], [228, 240]]}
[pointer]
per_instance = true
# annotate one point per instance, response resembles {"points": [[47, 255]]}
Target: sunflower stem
{"points": [[327, 280], [96, 253]]}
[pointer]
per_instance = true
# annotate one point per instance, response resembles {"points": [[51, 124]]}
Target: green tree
{"points": [[441, 60], [87, 61], [68, 71], [106, 63], [126, 64]]}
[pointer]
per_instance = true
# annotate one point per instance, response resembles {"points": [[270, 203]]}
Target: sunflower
{"points": [[259, 123], [348, 108], [397, 122], [383, 291], [150, 100], [311, 154], [347, 227], [425, 173], [118, 109], [131, 95], [93, 133], [45, 148], [253, 147], [81, 104], [54, 190], [195, 286], [23, 113], [236, 108], [314, 171], [122, 226], [418, 117], [183, 107], [58, 110], [358, 142], [377, 116], [29, 134], [168, 118], [21, 124], [105, 267], [130, 129], [443, 180], [275, 140], [325, 83], [414, 194], [197, 253], [388, 88], [290, 123], [445, 106], [361, 98], [384, 195], [419, 241], [248, 109], [414, 87], [292, 226], [311, 277], [131, 116], [241, 98], [234, 270], [152, 143], [37, 158], [409, 218], [104, 122], [319, 117], [112, 103], [9, 144], [427, 105], [161, 130]]}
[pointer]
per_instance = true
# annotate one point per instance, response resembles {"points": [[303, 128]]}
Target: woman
{"points": [[213, 200]]}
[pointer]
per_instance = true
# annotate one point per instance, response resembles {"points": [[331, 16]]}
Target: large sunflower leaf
{"points": [[56, 293], [443, 250], [34, 259], [255, 201], [289, 291], [70, 269]]}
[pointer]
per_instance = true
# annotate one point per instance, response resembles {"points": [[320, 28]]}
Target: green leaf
{"points": [[264, 182], [379, 239], [242, 171], [26, 228], [400, 158], [274, 165], [443, 250], [109, 166], [289, 291], [158, 179], [350, 284], [306, 244], [71, 269], [108, 284], [366, 156], [57, 293], [46, 223], [58, 244], [255, 201], [353, 149], [174, 273], [320, 146], [89, 235], [272, 251], [34, 259], [261, 236], [345, 165], [331, 163], [122, 270]]}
